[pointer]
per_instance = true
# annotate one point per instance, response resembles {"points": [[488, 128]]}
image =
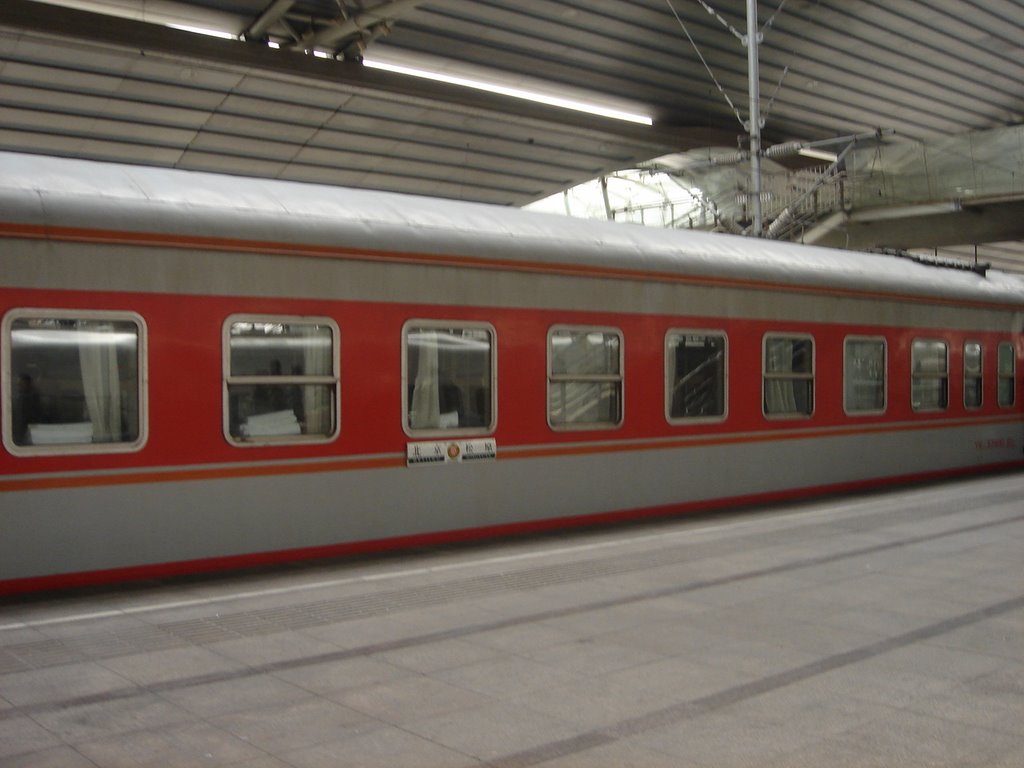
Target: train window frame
{"points": [[408, 387], [75, 447], [230, 379], [848, 374], [768, 377], [916, 376], [1002, 376], [618, 380], [974, 379], [671, 375]]}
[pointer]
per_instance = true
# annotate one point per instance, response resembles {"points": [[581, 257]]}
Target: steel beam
{"points": [[329, 37], [268, 18]]}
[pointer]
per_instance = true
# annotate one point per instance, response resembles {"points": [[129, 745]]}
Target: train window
{"points": [[74, 381], [864, 374], [1007, 375], [788, 375], [972, 375], [695, 370], [448, 376], [584, 378], [280, 379], [929, 365]]}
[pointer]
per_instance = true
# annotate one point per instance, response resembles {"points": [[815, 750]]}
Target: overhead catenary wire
{"points": [[771, 21], [739, 35], [703, 61], [778, 87]]}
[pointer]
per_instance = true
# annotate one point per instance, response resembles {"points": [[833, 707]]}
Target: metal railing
{"points": [[979, 165]]}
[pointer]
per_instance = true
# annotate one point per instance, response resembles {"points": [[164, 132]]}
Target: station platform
{"points": [[873, 630]]}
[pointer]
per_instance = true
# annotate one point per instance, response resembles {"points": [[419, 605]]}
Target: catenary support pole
{"points": [[754, 77]]}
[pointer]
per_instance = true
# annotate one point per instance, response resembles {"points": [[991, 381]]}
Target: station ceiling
{"points": [[110, 79]]}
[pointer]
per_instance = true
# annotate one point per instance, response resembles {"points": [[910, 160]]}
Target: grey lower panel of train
{"points": [[130, 525]]}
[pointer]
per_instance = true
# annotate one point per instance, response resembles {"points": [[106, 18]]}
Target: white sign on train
{"points": [[450, 451]]}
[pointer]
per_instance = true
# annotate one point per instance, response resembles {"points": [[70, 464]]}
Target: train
{"points": [[205, 373]]}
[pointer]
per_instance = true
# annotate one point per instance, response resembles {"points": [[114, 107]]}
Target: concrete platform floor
{"points": [[877, 630]]}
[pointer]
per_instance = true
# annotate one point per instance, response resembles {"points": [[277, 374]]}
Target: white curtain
{"points": [[865, 375], [316, 399], [779, 395], [425, 408], [100, 381]]}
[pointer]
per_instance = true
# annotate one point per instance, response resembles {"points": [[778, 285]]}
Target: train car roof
{"points": [[49, 191]]}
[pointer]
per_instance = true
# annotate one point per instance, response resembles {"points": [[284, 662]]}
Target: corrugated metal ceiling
{"points": [[80, 82], [922, 67]]}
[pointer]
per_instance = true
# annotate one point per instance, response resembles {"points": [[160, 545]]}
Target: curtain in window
{"points": [[101, 383], [779, 394], [930, 385], [316, 399], [425, 405], [1007, 386], [972, 375], [864, 375]]}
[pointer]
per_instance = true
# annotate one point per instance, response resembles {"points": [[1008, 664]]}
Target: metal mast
{"points": [[754, 128]]}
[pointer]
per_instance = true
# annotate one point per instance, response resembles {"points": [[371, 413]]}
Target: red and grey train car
{"points": [[202, 372]]}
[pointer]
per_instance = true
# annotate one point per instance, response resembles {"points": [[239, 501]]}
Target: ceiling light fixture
{"points": [[205, 31], [517, 93], [465, 82]]}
